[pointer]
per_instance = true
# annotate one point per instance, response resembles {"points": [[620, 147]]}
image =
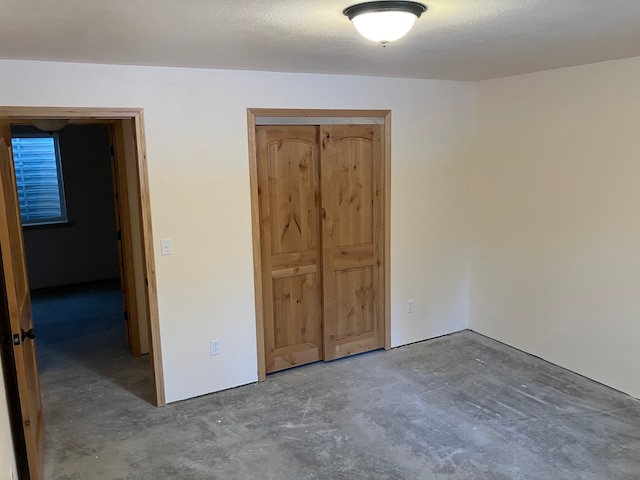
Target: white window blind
{"points": [[39, 179]]}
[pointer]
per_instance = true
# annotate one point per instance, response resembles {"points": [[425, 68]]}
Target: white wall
{"points": [[7, 459], [556, 218], [199, 182]]}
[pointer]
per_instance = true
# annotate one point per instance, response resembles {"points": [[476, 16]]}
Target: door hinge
{"points": [[119, 234], [126, 316], [112, 150]]}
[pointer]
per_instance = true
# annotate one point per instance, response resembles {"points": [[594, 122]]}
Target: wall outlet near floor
{"points": [[411, 306], [215, 347]]}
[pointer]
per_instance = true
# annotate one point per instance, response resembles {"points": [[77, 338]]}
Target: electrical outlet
{"points": [[411, 306], [215, 347]]}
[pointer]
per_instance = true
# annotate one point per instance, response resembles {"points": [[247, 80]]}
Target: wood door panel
{"points": [[19, 303], [348, 168], [321, 216], [354, 345], [355, 302], [356, 256], [291, 271], [310, 354], [295, 304], [352, 179], [288, 194], [292, 260], [291, 200]]}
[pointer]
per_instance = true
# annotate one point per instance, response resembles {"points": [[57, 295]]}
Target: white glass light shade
{"points": [[50, 124], [384, 26]]}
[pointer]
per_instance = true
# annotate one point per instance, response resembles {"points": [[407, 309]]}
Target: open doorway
{"points": [[136, 261], [73, 245]]}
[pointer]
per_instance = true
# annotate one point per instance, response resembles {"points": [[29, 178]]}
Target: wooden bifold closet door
{"points": [[321, 204]]}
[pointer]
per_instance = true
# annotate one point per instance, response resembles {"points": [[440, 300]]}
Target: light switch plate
{"points": [[411, 306], [166, 246]]}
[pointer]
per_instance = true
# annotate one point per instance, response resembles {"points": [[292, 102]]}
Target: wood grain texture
{"points": [[116, 209], [125, 247], [139, 292], [292, 203], [357, 255], [99, 114], [293, 271], [302, 113], [287, 174], [295, 310], [256, 236], [19, 303], [352, 176], [149, 261], [386, 147], [352, 180], [355, 302]]}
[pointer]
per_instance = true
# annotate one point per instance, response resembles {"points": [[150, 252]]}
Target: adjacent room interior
{"points": [[512, 261], [74, 265]]}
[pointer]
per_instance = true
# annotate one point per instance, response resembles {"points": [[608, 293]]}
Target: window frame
{"points": [[63, 218]]}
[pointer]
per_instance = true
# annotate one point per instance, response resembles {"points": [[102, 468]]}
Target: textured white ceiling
{"points": [[455, 39]]}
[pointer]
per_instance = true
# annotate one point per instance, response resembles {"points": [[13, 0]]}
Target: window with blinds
{"points": [[39, 178]]}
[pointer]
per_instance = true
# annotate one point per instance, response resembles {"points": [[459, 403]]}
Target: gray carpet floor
{"points": [[457, 407]]}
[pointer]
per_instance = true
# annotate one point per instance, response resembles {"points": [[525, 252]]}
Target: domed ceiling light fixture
{"points": [[50, 124], [384, 21]]}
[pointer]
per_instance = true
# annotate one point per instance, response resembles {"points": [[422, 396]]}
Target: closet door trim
{"points": [[261, 113]]}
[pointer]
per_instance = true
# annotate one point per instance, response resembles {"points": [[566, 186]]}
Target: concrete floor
{"points": [[457, 407]]}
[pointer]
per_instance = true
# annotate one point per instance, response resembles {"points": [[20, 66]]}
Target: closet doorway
{"points": [[320, 213]]}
